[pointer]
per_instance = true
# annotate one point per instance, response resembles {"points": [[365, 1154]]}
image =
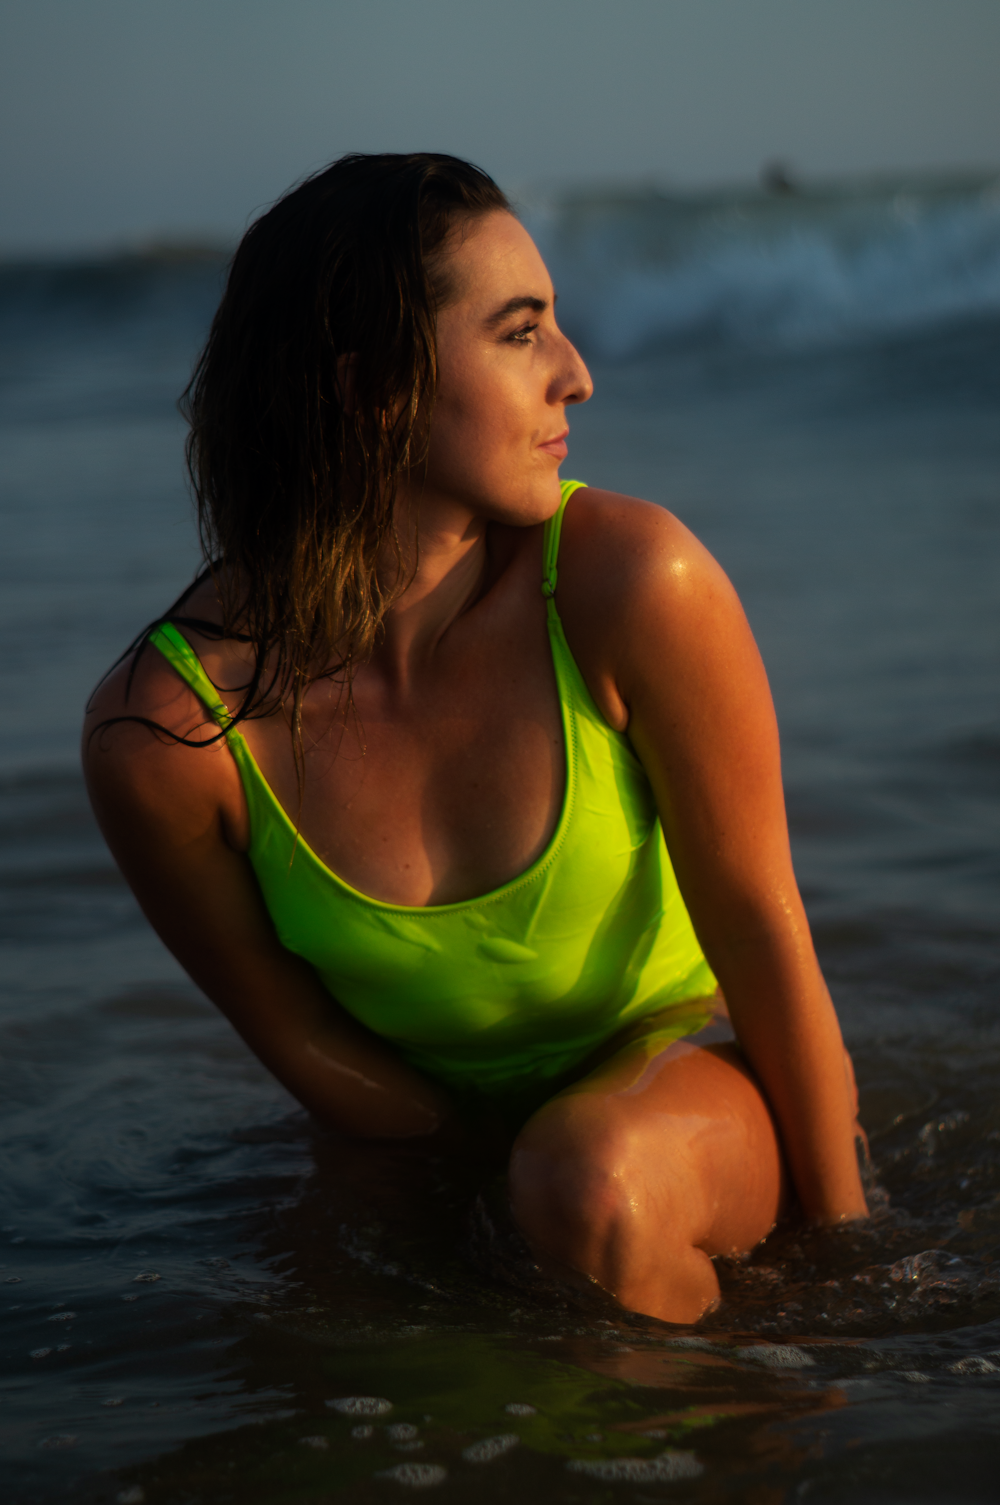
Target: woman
{"points": [[397, 780]]}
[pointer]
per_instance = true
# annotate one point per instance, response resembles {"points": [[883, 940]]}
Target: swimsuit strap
{"points": [[179, 653], [550, 543]]}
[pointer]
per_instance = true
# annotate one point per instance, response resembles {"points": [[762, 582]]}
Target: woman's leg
{"points": [[659, 1158]]}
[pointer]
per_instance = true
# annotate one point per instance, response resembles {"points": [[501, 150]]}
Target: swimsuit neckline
{"points": [[180, 647]]}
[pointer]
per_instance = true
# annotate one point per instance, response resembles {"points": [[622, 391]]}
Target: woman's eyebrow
{"points": [[513, 306]]}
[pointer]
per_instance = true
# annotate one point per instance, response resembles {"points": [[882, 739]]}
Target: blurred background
{"points": [[775, 230]]}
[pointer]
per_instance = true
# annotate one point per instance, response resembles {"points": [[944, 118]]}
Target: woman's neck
{"points": [[447, 550]]}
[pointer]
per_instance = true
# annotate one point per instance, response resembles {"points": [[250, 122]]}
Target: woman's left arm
{"points": [[685, 679]]}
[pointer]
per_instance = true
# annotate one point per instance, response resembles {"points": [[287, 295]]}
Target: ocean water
{"points": [[198, 1287]]}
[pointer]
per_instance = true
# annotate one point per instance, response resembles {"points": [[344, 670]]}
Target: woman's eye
{"points": [[523, 335]]}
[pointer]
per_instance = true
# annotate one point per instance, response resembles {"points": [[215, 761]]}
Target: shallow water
{"points": [[191, 1271]]}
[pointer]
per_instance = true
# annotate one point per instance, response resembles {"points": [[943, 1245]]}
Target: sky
{"points": [[123, 121]]}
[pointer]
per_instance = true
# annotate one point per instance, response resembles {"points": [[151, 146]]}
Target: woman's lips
{"points": [[556, 446]]}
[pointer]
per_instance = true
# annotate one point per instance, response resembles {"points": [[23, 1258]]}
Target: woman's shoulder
{"points": [[143, 684], [144, 728], [635, 583], [621, 543]]}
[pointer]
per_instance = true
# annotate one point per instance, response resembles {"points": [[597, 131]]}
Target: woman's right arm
{"points": [[168, 813]]}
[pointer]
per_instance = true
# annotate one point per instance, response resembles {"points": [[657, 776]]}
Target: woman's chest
{"points": [[436, 791]]}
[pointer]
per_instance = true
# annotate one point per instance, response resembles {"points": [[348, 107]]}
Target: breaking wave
{"points": [[843, 263]]}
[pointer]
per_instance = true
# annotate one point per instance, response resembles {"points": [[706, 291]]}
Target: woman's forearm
{"points": [[786, 1023], [345, 1077]]}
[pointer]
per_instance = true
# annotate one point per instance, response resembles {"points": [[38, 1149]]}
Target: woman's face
{"points": [[506, 375]]}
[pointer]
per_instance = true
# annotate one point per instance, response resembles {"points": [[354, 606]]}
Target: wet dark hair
{"points": [[295, 487]]}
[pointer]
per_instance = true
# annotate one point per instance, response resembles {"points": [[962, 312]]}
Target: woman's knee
{"points": [[572, 1173]]}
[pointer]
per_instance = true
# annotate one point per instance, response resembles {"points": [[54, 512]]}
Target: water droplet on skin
{"points": [[517, 1408], [361, 1405], [415, 1475], [490, 1448]]}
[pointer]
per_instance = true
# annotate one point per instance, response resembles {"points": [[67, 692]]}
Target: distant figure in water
{"points": [[776, 177], [456, 787]]}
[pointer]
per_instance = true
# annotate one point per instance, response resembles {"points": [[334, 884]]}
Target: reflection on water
{"points": [[191, 1273]]}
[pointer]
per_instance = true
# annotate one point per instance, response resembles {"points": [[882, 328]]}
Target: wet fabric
{"points": [[503, 994]]}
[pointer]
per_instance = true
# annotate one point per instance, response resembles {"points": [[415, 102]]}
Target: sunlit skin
{"points": [[448, 782]]}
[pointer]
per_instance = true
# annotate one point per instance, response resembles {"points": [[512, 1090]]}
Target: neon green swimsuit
{"points": [[504, 994]]}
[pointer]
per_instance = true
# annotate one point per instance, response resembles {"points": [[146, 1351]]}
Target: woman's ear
{"points": [[347, 365]]}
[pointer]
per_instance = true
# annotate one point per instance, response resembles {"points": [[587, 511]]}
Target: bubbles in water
{"points": [[146, 1277], [130, 1298], [416, 1475], [928, 1136], [320, 1443], [114, 1400], [915, 1376], [490, 1448], [974, 1364], [62, 1317], [60, 1440], [361, 1405], [134, 1496], [39, 1353], [776, 1355], [663, 1470], [935, 1278], [401, 1431], [12, 1280], [517, 1408], [362, 1433]]}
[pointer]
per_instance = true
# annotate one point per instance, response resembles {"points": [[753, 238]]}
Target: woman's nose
{"points": [[575, 382]]}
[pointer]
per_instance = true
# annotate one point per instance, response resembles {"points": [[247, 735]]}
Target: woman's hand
{"points": [[667, 652]]}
